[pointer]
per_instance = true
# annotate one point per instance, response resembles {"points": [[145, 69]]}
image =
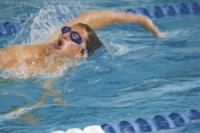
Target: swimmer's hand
{"points": [[161, 34]]}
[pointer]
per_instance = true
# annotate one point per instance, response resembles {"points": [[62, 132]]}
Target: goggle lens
{"points": [[74, 36], [65, 29]]}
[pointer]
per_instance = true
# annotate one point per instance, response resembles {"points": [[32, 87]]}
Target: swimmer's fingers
{"points": [[161, 35]]}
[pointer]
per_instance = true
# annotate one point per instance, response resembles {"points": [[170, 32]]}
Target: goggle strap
{"points": [[85, 52]]}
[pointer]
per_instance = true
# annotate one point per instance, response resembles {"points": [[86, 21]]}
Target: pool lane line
{"points": [[158, 122], [160, 11]]}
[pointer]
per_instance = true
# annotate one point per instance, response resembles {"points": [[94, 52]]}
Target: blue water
{"points": [[133, 75]]}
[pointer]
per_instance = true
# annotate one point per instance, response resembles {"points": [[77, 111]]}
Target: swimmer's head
{"points": [[78, 40], [92, 41]]}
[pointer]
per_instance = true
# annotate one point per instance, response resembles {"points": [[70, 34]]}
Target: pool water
{"points": [[133, 75]]}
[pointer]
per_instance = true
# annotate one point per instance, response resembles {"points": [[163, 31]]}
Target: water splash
{"points": [[49, 19], [117, 49]]}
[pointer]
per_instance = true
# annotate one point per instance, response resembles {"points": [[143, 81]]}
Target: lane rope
{"points": [[160, 11], [156, 123]]}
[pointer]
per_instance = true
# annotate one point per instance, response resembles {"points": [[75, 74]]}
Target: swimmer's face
{"points": [[72, 43]]}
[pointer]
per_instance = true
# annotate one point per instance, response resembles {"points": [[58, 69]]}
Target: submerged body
{"points": [[35, 57], [72, 43]]}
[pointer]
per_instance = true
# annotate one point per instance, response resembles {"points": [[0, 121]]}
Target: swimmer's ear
{"points": [[82, 51]]}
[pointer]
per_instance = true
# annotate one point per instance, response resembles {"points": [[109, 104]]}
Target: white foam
{"points": [[74, 130], [49, 19], [117, 49], [122, 49], [176, 34], [22, 71], [93, 129], [22, 110], [58, 132]]}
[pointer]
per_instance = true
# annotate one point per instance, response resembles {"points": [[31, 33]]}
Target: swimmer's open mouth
{"points": [[58, 44]]}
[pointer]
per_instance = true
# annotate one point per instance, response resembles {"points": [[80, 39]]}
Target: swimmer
{"points": [[75, 40]]}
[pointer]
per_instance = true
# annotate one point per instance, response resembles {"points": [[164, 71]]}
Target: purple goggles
{"points": [[74, 36]]}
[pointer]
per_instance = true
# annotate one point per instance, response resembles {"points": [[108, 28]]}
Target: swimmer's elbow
{"points": [[143, 20], [87, 14]]}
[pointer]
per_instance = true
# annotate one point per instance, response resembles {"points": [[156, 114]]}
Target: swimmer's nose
{"points": [[64, 37]]}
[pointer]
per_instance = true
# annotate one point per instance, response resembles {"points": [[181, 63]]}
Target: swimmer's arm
{"points": [[98, 19]]}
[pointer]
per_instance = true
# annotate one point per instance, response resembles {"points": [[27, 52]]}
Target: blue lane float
{"points": [[168, 10], [142, 125], [158, 122], [10, 28]]}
